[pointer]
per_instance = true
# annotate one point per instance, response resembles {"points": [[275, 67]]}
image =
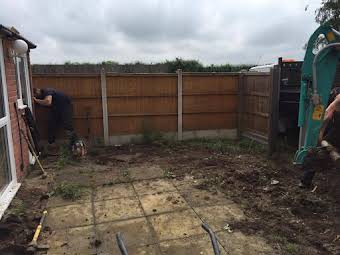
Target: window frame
{"points": [[27, 87], [8, 192]]}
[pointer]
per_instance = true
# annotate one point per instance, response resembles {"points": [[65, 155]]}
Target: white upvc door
{"points": [[8, 178]]}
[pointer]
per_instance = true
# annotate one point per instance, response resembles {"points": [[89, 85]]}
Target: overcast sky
{"points": [[212, 31]]}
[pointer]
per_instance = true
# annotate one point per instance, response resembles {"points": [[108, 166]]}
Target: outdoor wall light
{"points": [[20, 47]]}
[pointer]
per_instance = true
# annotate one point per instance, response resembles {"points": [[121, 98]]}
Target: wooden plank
{"points": [[208, 121], [211, 103], [140, 105], [104, 106], [209, 84], [142, 86], [142, 124], [179, 105]]}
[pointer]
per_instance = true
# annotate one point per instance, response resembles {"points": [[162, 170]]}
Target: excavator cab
{"points": [[318, 73]]}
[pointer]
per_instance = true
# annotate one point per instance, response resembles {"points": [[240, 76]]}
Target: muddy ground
{"points": [[294, 220]]}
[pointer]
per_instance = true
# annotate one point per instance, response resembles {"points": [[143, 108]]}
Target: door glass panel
{"points": [[5, 172], [2, 105]]}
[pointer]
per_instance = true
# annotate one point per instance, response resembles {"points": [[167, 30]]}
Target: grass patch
{"points": [[69, 191], [225, 145]]}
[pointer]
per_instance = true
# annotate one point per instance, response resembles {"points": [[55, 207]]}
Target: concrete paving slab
{"points": [[114, 191], [176, 225], [57, 241], [200, 245], [164, 202], [201, 197], [240, 244], [135, 233], [187, 183], [81, 240], [112, 176], [153, 186], [145, 172], [69, 216], [117, 209], [143, 250], [218, 216], [59, 201]]}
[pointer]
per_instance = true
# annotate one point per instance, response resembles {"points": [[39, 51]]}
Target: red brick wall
{"points": [[12, 98]]}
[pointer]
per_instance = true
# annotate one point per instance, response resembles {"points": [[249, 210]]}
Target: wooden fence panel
{"points": [[209, 101], [141, 102], [256, 108]]}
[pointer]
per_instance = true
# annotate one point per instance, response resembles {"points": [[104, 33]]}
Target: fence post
{"points": [[274, 109], [104, 106], [240, 102], [179, 105]]}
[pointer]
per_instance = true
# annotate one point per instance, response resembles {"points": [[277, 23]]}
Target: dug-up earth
{"points": [[158, 195]]}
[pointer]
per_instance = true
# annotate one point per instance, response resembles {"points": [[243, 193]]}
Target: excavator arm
{"points": [[318, 72]]}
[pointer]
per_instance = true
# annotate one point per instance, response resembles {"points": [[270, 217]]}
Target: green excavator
{"points": [[318, 73]]}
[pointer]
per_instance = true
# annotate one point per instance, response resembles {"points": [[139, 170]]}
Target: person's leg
{"points": [[308, 168], [52, 126], [67, 123]]}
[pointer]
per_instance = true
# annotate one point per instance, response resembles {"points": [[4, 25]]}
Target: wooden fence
{"points": [[117, 108]]}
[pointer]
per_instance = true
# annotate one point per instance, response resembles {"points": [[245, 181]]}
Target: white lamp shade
{"points": [[20, 46]]}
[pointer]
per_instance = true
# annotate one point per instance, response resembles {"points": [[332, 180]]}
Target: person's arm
{"points": [[47, 101], [333, 107]]}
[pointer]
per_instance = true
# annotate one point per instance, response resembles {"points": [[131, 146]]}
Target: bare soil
{"points": [[294, 220]]}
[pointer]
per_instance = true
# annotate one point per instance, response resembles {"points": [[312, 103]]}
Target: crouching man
{"points": [[60, 115]]}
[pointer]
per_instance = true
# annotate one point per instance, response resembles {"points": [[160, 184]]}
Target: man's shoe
{"points": [[303, 185]]}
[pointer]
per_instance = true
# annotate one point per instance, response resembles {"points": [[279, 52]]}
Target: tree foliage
{"points": [[329, 12], [172, 66], [196, 66]]}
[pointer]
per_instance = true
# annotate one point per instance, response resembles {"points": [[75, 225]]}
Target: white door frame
{"points": [[9, 192]]}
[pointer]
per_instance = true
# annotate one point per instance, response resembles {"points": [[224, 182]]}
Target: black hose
{"points": [[121, 244], [213, 239]]}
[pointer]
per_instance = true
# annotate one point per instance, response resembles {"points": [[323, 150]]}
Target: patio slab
{"points": [[57, 242], [81, 240], [200, 197], [55, 201], [114, 191], [187, 183], [145, 172], [69, 216], [143, 250], [218, 216], [135, 233], [195, 245], [240, 244], [164, 202], [153, 186], [117, 209], [176, 225]]}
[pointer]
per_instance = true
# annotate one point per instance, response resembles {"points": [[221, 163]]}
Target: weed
{"points": [[69, 191], [225, 145], [150, 136], [292, 248], [64, 158], [126, 173], [169, 174], [17, 207]]}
